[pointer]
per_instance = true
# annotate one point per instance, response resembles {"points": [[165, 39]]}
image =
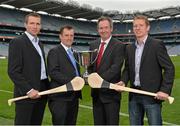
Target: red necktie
{"points": [[100, 54]]}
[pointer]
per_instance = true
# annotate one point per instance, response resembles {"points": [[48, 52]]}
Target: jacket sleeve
{"points": [[168, 67], [54, 68], [15, 67]]}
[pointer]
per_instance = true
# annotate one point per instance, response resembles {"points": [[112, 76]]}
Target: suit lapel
{"points": [[29, 43], [133, 55], [107, 51], [145, 50], [65, 53], [67, 56], [42, 49]]}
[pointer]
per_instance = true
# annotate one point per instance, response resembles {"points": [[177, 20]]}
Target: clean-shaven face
{"points": [[104, 29], [140, 28], [67, 37], [33, 25]]}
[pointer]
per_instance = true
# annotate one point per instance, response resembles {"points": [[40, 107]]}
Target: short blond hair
{"points": [[142, 18]]}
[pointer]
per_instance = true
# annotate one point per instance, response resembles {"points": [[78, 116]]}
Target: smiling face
{"points": [[67, 37], [33, 25], [104, 29], [140, 28]]}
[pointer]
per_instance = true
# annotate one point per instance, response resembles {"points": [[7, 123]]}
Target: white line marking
{"points": [[10, 92], [124, 114], [89, 107]]}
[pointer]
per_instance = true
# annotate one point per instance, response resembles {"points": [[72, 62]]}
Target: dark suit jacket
{"points": [[153, 61], [24, 66], [61, 71], [109, 69]]}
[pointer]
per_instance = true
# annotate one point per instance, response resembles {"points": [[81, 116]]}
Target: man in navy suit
{"points": [[106, 102], [27, 70], [148, 67], [62, 69]]}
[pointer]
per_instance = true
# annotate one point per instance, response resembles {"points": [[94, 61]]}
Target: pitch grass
{"points": [[171, 113]]}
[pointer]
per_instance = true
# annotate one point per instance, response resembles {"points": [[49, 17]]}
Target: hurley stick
{"points": [[75, 84], [95, 81]]}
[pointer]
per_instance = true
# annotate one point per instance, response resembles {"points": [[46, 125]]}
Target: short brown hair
{"points": [[142, 18], [102, 18], [33, 15], [65, 27]]}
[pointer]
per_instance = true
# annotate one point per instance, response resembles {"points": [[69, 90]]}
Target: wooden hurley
{"points": [[75, 84], [95, 81]]}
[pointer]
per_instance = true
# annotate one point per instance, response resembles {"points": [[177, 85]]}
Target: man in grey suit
{"points": [[62, 69], [148, 67], [27, 70], [106, 102]]}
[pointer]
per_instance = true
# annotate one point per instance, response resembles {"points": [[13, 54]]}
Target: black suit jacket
{"points": [[24, 66], [61, 71], [109, 68], [156, 68]]}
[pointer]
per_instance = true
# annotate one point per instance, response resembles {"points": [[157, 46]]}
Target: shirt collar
{"points": [[144, 41], [31, 37], [65, 47], [107, 41]]}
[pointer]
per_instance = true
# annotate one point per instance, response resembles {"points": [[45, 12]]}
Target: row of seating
{"points": [[16, 18]]}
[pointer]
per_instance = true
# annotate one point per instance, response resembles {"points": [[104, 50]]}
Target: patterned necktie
{"points": [[71, 56], [100, 54], [35, 39]]}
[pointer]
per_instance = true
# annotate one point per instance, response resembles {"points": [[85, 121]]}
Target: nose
{"points": [[35, 25], [137, 27], [103, 30]]}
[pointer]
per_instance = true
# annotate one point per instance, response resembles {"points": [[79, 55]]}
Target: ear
{"points": [[148, 28], [60, 36], [111, 29], [25, 25]]}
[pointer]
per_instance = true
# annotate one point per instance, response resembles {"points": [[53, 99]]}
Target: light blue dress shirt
{"points": [[138, 56], [35, 42]]}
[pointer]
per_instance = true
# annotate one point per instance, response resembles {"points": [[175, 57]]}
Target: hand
{"points": [[33, 94], [119, 84], [162, 96]]}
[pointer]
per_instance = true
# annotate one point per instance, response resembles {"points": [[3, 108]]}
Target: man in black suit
{"points": [[62, 69], [106, 102], [27, 70], [148, 67]]}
